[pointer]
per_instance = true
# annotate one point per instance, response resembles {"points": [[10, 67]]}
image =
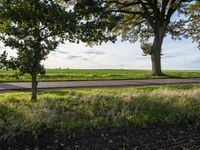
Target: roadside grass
{"points": [[63, 110], [96, 74]]}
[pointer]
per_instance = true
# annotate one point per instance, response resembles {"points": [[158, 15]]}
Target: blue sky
{"points": [[178, 55]]}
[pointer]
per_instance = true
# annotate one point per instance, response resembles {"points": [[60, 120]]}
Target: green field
{"points": [[98, 108], [77, 74]]}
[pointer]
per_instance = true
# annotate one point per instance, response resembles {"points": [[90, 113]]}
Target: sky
{"points": [[177, 55]]}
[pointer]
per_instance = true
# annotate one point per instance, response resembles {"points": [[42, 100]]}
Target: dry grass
{"points": [[98, 108]]}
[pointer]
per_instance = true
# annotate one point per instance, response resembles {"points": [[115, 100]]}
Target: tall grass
{"points": [[98, 108]]}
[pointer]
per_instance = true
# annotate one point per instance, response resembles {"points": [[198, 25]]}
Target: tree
{"points": [[150, 21], [34, 28]]}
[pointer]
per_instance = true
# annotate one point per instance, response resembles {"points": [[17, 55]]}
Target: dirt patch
{"points": [[156, 136]]}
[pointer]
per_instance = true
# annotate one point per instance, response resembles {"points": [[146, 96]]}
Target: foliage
{"points": [[3, 60], [144, 19], [94, 21], [194, 25], [6, 63], [34, 29], [98, 108]]}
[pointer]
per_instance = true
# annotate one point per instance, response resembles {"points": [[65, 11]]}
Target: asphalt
{"points": [[26, 86]]}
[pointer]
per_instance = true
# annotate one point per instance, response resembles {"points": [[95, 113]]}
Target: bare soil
{"points": [[150, 137]]}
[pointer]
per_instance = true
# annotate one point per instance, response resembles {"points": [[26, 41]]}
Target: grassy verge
{"points": [[64, 74], [98, 108]]}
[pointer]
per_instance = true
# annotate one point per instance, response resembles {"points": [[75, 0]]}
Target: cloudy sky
{"points": [[178, 55]]}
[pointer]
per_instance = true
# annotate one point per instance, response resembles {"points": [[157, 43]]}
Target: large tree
{"points": [[150, 21], [34, 28]]}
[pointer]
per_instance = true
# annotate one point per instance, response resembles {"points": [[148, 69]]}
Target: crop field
{"points": [[101, 74]]}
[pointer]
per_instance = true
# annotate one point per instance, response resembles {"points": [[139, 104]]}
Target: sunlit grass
{"points": [[98, 108], [101, 74]]}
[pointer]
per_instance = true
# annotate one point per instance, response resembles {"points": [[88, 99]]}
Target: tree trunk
{"points": [[34, 88], [156, 55], [156, 61]]}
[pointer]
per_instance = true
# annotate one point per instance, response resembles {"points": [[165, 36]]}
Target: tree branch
{"points": [[129, 12], [164, 7]]}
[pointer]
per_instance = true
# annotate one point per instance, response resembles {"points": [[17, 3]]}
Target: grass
{"points": [[98, 108], [77, 74]]}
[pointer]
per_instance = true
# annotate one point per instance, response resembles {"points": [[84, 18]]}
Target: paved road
{"points": [[18, 86]]}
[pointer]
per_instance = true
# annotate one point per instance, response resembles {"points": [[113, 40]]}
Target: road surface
{"points": [[23, 86]]}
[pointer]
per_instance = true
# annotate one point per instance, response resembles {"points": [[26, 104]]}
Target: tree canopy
{"points": [[34, 28], [144, 18], [194, 22]]}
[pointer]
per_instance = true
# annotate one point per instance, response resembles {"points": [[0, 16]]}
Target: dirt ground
{"points": [[152, 137]]}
